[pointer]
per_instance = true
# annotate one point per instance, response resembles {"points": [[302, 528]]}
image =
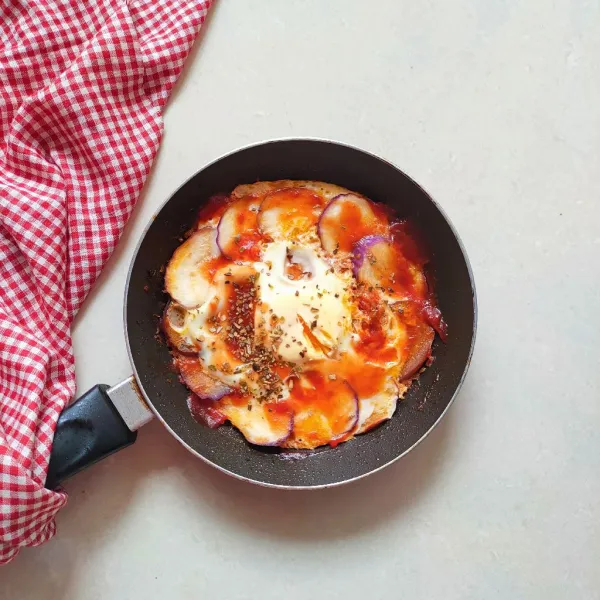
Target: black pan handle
{"points": [[88, 430]]}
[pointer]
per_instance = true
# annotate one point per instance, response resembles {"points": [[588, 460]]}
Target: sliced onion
{"points": [[362, 258], [378, 262]]}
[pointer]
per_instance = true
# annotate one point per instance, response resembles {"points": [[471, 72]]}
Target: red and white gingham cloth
{"points": [[82, 88]]}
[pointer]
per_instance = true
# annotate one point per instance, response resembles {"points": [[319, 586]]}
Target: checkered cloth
{"points": [[82, 88]]}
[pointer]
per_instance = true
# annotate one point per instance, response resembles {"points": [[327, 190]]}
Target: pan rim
{"points": [[258, 481]]}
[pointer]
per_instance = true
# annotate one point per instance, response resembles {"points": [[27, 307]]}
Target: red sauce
{"points": [[433, 317], [294, 271], [401, 278], [411, 258], [372, 343], [210, 267], [205, 412], [301, 207], [236, 399], [383, 212], [278, 415], [368, 301], [366, 378], [298, 200], [354, 225], [213, 208], [423, 310], [409, 239], [325, 408], [410, 242], [283, 371], [247, 244]]}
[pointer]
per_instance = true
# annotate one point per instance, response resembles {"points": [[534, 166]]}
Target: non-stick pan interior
{"points": [[423, 405]]}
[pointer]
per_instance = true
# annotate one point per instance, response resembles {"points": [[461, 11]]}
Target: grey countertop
{"points": [[494, 107]]}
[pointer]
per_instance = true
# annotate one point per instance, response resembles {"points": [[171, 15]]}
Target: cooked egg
{"points": [[305, 318]]}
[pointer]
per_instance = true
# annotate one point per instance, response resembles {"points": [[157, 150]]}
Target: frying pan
{"points": [[106, 419]]}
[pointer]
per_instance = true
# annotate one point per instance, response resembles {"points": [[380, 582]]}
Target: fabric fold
{"points": [[84, 85]]}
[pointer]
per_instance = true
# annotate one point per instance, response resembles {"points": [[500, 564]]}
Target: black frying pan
{"points": [[104, 420]]}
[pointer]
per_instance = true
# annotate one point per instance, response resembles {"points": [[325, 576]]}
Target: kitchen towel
{"points": [[83, 85]]}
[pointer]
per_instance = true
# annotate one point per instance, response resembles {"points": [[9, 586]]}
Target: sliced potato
{"points": [[290, 214], [378, 262], [326, 411], [266, 424], [173, 326], [378, 408], [347, 219], [203, 385], [418, 349], [238, 236], [204, 411], [186, 280]]}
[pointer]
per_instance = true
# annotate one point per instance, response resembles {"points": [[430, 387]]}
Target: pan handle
{"points": [[101, 422]]}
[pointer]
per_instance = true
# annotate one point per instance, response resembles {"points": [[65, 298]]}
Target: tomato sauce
{"points": [[433, 317], [325, 408], [373, 335], [294, 271], [248, 247], [247, 243], [210, 267], [300, 208], [409, 257], [410, 242], [278, 414], [236, 399], [396, 274], [282, 371], [213, 208], [354, 226]]}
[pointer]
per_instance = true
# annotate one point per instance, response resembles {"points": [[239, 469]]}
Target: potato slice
{"points": [[185, 280]]}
